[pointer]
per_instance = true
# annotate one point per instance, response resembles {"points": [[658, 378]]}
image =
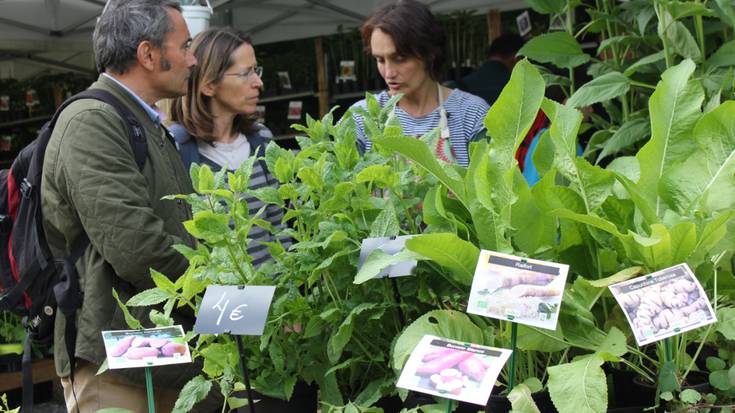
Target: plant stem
{"points": [[512, 367], [643, 85], [667, 52], [570, 30], [699, 27], [638, 370]]}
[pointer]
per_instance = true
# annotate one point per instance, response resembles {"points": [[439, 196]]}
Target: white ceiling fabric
{"points": [[38, 34]]}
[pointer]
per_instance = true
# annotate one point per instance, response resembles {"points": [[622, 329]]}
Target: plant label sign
{"points": [[453, 369], [234, 309], [517, 289], [145, 348], [664, 303], [390, 246]]}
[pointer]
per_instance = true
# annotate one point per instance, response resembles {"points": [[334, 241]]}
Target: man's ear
{"points": [[147, 55]]}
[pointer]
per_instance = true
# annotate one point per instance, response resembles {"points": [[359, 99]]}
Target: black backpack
{"points": [[33, 283]]}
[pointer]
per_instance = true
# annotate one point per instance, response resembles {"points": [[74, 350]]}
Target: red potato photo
{"points": [[451, 370], [121, 347], [146, 348]]}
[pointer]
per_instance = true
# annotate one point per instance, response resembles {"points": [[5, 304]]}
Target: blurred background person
{"points": [[490, 78]]}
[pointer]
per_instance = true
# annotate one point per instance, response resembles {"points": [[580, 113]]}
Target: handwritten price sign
{"points": [[233, 309]]}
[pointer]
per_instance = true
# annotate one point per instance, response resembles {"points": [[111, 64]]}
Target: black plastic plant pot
{"points": [[303, 400], [10, 363], [628, 391]]}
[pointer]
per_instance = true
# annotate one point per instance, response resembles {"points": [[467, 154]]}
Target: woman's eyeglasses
{"points": [[248, 74]]}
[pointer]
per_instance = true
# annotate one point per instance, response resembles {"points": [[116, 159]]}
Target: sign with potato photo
{"points": [[453, 369], [521, 290], [664, 304], [146, 348]]}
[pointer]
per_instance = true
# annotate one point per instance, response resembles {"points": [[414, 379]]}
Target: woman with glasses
{"points": [[213, 123]]}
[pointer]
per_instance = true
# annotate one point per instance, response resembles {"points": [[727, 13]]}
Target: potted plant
{"points": [[11, 342]]}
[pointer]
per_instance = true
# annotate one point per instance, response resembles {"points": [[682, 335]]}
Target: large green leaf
{"points": [[675, 34], [419, 152], [441, 323], [533, 229], [512, 115], [605, 87], [704, 180], [579, 386], [726, 322], [593, 183], [521, 400], [674, 108], [378, 260], [449, 251], [558, 48]]}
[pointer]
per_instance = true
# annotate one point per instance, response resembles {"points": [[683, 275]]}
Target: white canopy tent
{"points": [[36, 35]]}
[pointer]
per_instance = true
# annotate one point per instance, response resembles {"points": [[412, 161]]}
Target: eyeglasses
{"points": [[248, 74]]}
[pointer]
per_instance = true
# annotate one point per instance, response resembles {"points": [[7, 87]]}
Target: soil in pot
{"points": [[303, 400], [10, 363], [629, 391]]}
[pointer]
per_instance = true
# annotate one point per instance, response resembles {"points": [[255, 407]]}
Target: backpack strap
{"points": [[136, 133]]}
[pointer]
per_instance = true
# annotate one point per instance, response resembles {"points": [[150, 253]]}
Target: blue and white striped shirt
{"points": [[465, 115]]}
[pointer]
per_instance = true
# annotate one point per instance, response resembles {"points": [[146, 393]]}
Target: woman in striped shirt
{"points": [[213, 123], [408, 45]]}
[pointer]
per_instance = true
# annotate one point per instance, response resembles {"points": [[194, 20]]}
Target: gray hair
{"points": [[123, 25]]}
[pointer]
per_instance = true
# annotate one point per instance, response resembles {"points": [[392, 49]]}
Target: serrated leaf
{"points": [[148, 297], [193, 392], [386, 223], [579, 386]]}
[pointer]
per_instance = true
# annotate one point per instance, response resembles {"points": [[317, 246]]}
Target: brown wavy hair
{"points": [[414, 31], [213, 49]]}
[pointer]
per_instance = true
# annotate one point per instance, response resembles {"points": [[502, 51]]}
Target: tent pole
{"points": [[322, 93]]}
